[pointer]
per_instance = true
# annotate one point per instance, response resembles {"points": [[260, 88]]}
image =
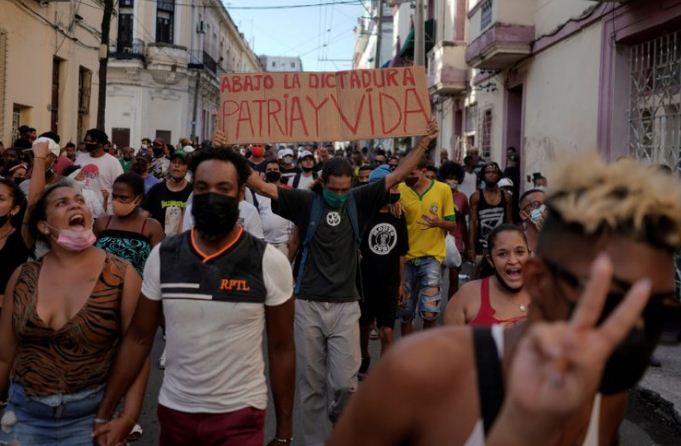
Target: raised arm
{"points": [[258, 185], [410, 161], [41, 151]]}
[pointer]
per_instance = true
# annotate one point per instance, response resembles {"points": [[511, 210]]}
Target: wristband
{"points": [[100, 421], [283, 440], [39, 157]]}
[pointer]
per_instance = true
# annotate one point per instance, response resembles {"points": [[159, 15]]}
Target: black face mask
{"points": [[215, 215], [394, 198], [307, 169], [272, 176], [629, 361], [157, 152], [4, 219], [501, 280], [91, 147], [18, 181]]}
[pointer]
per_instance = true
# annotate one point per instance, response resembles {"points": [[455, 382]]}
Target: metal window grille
{"points": [[655, 100], [485, 14]]}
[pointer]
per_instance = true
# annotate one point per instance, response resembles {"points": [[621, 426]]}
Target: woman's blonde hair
{"points": [[625, 197]]}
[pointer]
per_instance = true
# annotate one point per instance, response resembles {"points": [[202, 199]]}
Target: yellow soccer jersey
{"points": [[436, 199]]}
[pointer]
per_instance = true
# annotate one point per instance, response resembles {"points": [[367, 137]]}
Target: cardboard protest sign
{"points": [[324, 106]]}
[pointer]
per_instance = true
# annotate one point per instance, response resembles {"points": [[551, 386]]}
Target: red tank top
{"points": [[485, 316]]}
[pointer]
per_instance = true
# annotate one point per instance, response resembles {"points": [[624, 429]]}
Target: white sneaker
{"points": [[162, 360]]}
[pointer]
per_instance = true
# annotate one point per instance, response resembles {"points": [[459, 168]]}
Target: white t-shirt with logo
{"points": [[109, 168], [277, 230], [214, 349]]}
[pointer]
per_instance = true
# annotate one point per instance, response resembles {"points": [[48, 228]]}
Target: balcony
{"points": [[501, 33], [128, 50], [447, 68], [164, 56], [199, 60]]}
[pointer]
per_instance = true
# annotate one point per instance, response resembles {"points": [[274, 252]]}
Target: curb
{"points": [[659, 407]]}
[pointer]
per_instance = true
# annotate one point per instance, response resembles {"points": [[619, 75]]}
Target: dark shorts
{"points": [[379, 304], [245, 427]]}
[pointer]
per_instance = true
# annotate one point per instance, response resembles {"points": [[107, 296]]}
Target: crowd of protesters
{"points": [[316, 250]]}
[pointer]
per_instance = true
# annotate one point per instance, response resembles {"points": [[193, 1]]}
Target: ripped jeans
{"points": [[53, 420], [421, 276]]}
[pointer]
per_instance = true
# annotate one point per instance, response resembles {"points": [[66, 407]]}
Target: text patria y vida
{"points": [[308, 105]]}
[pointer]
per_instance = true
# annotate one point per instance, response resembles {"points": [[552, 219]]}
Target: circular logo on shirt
{"points": [[382, 238], [333, 218]]}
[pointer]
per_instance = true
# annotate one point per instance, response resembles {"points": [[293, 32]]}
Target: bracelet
{"points": [[283, 440], [100, 421], [39, 157]]}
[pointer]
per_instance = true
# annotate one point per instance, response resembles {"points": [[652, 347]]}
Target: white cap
{"points": [[505, 182], [285, 152], [306, 153], [53, 146], [188, 149]]}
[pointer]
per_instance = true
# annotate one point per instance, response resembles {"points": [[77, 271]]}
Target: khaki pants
{"points": [[325, 334]]}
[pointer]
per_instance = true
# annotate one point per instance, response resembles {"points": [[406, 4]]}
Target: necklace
{"points": [[523, 308]]}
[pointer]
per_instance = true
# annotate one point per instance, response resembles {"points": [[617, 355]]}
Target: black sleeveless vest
{"points": [[233, 276]]}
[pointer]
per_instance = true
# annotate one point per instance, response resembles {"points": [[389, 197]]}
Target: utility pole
{"points": [[419, 35], [419, 42], [104, 63], [379, 35]]}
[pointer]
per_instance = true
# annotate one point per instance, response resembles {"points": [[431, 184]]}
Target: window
{"points": [[165, 20], [164, 135], [125, 18], [486, 134], [54, 106], [471, 118], [274, 64], [293, 64], [84, 92], [654, 105], [120, 137], [485, 14]]}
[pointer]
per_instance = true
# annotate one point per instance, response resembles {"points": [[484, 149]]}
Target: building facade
{"points": [[48, 67], [554, 77], [281, 63], [165, 66], [366, 37]]}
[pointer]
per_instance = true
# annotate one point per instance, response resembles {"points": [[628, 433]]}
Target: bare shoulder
{"points": [[437, 356], [153, 225], [468, 291]]}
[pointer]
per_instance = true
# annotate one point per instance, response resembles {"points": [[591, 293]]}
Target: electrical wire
{"points": [[54, 26], [265, 7]]}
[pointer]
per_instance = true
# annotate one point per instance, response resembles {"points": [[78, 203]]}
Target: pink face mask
{"points": [[76, 241]]}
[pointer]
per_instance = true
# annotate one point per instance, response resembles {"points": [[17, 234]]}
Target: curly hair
{"points": [[626, 198]]}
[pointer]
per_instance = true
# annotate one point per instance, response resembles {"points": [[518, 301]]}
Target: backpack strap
{"points": [[315, 218], [490, 380], [296, 180], [354, 218]]}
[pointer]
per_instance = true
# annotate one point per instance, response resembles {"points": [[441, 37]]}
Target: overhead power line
{"points": [[265, 7]]}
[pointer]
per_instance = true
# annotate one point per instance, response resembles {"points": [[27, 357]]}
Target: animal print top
{"points": [[79, 355]]}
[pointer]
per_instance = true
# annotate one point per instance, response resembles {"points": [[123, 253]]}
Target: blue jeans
{"points": [[419, 275], [53, 420]]}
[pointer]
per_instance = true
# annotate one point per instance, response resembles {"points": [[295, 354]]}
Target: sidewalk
{"points": [[661, 386]]}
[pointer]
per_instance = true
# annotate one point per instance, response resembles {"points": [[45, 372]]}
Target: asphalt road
{"points": [[641, 427]]}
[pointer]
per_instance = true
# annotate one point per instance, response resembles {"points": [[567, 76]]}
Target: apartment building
{"points": [[165, 66], [48, 67]]}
